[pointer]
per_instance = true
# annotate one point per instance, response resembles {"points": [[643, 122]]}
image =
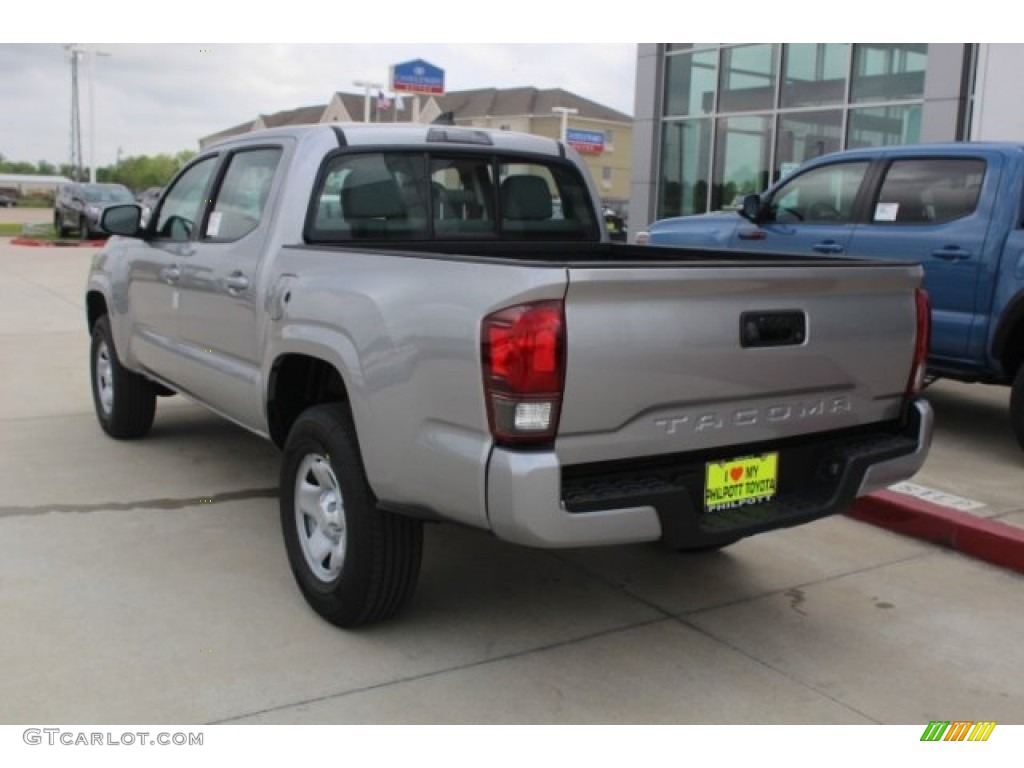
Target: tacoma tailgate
{"points": [[669, 359]]}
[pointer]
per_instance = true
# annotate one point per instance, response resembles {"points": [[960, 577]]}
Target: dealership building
{"points": [[716, 121]]}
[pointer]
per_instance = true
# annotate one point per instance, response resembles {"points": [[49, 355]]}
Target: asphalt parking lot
{"points": [[146, 582]]}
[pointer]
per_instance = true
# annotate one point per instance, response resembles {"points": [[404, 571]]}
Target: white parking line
{"points": [[941, 498]]}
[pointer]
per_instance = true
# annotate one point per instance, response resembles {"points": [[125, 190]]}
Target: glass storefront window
{"points": [[880, 126], [814, 74], [748, 78], [803, 135], [685, 162], [742, 151], [888, 71], [690, 80]]}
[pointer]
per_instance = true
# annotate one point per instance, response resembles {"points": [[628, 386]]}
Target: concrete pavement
{"points": [[146, 582]]}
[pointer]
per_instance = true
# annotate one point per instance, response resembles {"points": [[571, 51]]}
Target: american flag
{"points": [[383, 102]]}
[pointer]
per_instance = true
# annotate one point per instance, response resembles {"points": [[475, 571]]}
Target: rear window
{"points": [[448, 196]]}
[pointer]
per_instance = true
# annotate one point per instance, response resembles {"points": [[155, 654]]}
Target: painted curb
{"points": [[57, 243], [988, 540]]}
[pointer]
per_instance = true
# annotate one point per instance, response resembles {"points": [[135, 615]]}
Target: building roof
{"points": [[234, 130], [464, 105], [300, 116], [31, 178], [508, 102]]}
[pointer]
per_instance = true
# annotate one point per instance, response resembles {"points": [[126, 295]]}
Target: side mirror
{"points": [[122, 220], [752, 209]]}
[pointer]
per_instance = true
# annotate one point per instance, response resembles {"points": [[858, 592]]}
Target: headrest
{"points": [[526, 197]]}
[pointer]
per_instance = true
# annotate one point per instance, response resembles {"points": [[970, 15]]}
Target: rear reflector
{"points": [[523, 357], [921, 343]]}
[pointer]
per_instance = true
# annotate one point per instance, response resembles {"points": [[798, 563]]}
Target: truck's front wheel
{"points": [[355, 564], [1017, 405], [125, 402]]}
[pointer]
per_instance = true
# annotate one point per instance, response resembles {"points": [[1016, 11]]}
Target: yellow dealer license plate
{"points": [[733, 483]]}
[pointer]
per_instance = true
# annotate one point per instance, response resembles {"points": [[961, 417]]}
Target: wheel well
{"points": [[95, 308], [1013, 350], [298, 382]]}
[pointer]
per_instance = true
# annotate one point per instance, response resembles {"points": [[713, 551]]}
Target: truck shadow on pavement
{"points": [[976, 420]]}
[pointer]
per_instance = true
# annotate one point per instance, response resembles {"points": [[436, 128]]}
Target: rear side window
{"points": [[929, 190], [448, 196], [243, 193]]}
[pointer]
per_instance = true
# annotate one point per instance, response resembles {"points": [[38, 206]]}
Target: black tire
{"points": [[58, 225], [124, 401], [83, 229], [1017, 405], [355, 564]]}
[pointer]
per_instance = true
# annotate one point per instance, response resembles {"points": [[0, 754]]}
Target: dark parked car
{"points": [[6, 201], [79, 207]]}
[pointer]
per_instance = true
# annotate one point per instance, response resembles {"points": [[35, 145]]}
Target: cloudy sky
{"points": [[153, 98]]}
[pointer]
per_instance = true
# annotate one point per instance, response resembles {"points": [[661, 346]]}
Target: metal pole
{"points": [[566, 111], [368, 87], [92, 53]]}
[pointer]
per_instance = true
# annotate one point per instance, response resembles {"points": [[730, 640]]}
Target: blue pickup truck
{"points": [[956, 209]]}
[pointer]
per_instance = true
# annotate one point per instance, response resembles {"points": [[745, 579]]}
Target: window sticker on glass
{"points": [[887, 211], [213, 227]]}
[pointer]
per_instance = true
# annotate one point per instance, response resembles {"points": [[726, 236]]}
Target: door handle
{"points": [[827, 246], [751, 234], [170, 274], [951, 253], [236, 282]]}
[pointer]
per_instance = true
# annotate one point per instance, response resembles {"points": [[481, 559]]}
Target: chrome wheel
{"points": [[320, 517], [104, 378]]}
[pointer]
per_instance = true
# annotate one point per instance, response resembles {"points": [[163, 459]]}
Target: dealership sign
{"points": [[417, 76], [585, 142]]}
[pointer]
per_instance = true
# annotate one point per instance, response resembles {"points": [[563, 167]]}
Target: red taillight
{"points": [[924, 331], [523, 354]]}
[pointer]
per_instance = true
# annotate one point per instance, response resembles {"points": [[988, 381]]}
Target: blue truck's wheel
{"points": [[125, 402], [1017, 405], [354, 563]]}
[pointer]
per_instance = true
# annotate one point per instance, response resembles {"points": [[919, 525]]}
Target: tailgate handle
{"points": [[773, 329]]}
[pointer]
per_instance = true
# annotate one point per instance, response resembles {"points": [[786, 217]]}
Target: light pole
{"points": [[91, 54], [566, 111], [368, 86]]}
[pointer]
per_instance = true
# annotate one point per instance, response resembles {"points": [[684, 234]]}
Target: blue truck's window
{"points": [[243, 193], [822, 195], [929, 190], [184, 200], [415, 196]]}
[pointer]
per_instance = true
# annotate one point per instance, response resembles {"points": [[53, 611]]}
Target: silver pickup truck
{"points": [[432, 325]]}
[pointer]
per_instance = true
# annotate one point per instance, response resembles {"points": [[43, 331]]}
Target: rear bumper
{"points": [[533, 500]]}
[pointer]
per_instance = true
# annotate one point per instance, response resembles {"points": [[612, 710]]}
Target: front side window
{"points": [[184, 201], [243, 194], [929, 191], [822, 195]]}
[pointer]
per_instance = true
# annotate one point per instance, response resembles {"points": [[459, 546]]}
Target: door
{"points": [[813, 212], [930, 210], [155, 268], [220, 288]]}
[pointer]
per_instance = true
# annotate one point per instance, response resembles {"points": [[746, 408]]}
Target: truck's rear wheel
{"points": [[125, 402], [355, 564], [1017, 405]]}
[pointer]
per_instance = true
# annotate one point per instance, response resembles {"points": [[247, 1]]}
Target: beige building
{"points": [[528, 110]]}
